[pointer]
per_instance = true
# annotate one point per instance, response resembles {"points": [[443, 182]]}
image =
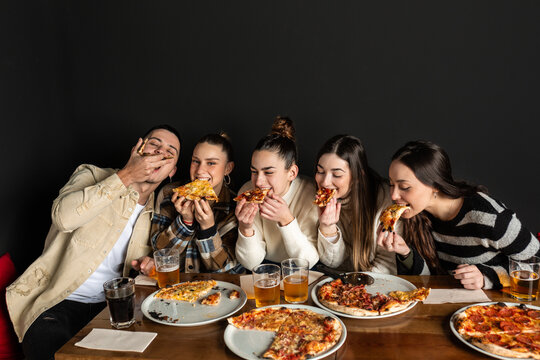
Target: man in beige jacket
{"points": [[100, 223]]}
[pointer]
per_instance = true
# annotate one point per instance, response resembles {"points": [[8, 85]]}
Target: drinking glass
{"points": [[266, 280], [120, 293], [167, 266], [524, 278], [295, 280]]}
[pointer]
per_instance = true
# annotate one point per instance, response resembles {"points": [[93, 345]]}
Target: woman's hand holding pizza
{"points": [[329, 217], [245, 213], [276, 209], [392, 242], [203, 214], [139, 168], [184, 207], [469, 276]]}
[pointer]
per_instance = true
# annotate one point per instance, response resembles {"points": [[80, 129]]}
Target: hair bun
{"points": [[283, 126], [224, 135]]}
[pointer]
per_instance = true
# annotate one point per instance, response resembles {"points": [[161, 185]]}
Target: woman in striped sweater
{"points": [[452, 226]]}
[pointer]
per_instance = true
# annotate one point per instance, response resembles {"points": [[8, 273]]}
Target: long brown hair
{"points": [[431, 165], [362, 198]]}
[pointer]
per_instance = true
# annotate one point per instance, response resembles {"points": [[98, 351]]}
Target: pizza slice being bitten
{"points": [[323, 196], [197, 190], [391, 215], [255, 196]]}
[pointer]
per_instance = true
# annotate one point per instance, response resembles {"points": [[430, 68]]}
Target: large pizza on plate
{"points": [[504, 329]]}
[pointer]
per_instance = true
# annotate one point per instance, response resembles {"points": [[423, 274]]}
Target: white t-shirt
{"points": [[91, 291]]}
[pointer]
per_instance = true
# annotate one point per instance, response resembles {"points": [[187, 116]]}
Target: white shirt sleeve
{"points": [[331, 250], [297, 244]]}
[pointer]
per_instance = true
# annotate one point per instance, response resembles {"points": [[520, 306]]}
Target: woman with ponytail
{"points": [[204, 231], [284, 225], [452, 226]]}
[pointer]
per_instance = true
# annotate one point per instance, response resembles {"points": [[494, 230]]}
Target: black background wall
{"points": [[80, 81]]}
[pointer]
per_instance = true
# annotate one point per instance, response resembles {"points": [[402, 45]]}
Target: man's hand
{"points": [[145, 265], [139, 168], [245, 213], [469, 276], [276, 209]]}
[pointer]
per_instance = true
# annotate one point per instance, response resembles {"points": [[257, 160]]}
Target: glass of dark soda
{"points": [[120, 293]]}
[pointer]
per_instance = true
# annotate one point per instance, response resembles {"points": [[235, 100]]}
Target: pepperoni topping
{"points": [[523, 339], [482, 328], [491, 312], [522, 320], [476, 319], [509, 327], [506, 312], [493, 338], [535, 314]]}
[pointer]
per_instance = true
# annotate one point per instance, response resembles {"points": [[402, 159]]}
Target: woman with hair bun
{"points": [[204, 231], [347, 237], [284, 224], [452, 226]]}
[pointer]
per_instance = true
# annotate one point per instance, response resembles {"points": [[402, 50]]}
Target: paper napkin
{"points": [[246, 282], [117, 340], [145, 280], [441, 296]]}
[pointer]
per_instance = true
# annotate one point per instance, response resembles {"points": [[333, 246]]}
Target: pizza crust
{"points": [[499, 350], [348, 309]]}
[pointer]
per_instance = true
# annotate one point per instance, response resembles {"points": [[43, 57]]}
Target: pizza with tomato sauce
{"points": [[501, 329], [196, 190], [356, 300], [391, 215], [255, 196], [323, 196], [300, 333]]}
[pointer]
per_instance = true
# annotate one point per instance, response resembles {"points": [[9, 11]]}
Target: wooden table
{"points": [[420, 333]]}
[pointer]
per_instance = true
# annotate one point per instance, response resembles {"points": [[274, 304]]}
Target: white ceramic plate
{"points": [[458, 335], [250, 344], [384, 283], [183, 313]]}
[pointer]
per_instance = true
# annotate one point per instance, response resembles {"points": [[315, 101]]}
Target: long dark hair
{"points": [[281, 141], [431, 165], [362, 198]]}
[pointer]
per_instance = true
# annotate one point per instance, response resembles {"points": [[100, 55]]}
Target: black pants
{"points": [[56, 326]]}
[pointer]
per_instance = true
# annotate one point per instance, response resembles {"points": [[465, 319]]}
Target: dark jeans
{"points": [[56, 326]]}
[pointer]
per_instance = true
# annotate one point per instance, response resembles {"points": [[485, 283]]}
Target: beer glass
{"points": [[167, 266], [524, 278], [266, 280], [295, 280], [120, 293]]}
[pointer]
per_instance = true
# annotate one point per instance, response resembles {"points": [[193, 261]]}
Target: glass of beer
{"points": [[295, 280], [266, 280], [524, 278], [167, 266], [120, 293]]}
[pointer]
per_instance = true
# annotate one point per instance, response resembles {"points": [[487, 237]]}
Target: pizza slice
{"points": [[197, 190], [323, 196], [188, 291], [255, 196], [141, 152], [391, 215], [212, 299], [414, 295], [264, 319]]}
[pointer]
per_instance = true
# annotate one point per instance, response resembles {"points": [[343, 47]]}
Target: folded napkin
{"points": [[117, 340], [145, 280], [441, 296], [246, 282]]}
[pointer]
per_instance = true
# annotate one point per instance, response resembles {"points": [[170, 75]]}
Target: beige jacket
{"points": [[88, 216]]}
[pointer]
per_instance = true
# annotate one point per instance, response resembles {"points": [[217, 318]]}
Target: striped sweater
{"points": [[484, 233]]}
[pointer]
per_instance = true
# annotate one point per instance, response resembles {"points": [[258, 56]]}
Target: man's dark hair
{"points": [[164, 127]]}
